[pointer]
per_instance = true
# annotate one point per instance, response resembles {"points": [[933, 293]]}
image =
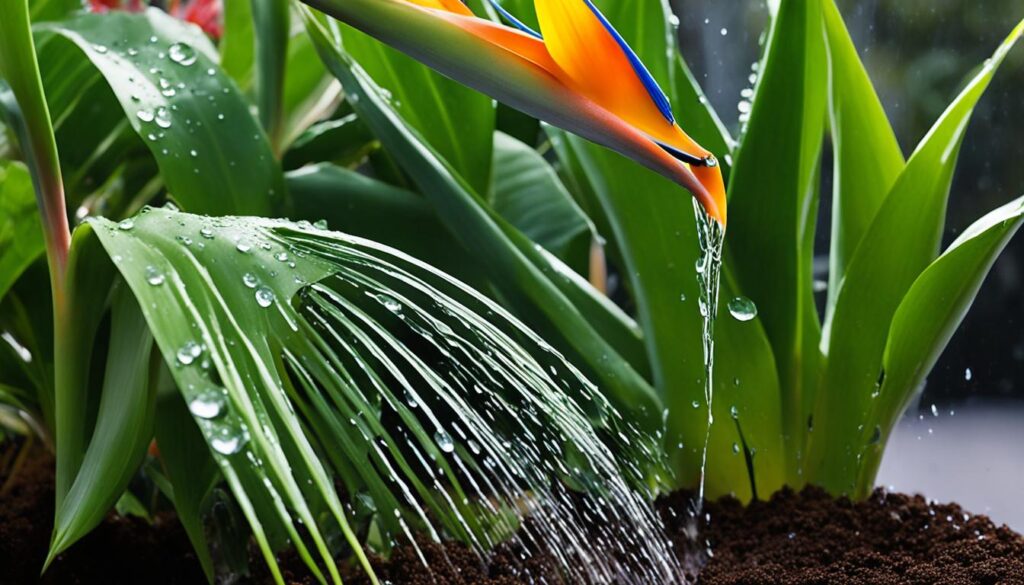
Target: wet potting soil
{"points": [[805, 538]]}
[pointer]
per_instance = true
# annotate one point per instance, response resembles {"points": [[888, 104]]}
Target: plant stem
{"points": [[20, 69]]}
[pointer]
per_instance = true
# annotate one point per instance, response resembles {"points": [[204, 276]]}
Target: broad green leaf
{"points": [[454, 120], [307, 356], [529, 195], [652, 220], [867, 157], [359, 205], [927, 318], [344, 141], [545, 293], [21, 234], [903, 239], [124, 426], [190, 471], [271, 31], [211, 153], [237, 46], [310, 92], [42, 10], [773, 201], [90, 277]]}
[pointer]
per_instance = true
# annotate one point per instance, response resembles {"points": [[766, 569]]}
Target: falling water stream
{"points": [[512, 429], [711, 236]]}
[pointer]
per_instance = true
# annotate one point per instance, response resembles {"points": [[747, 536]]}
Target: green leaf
{"points": [[210, 164], [528, 194], [902, 240], [21, 233], [545, 293], [90, 277], [42, 10], [652, 220], [124, 426], [237, 46], [190, 471], [359, 205], [773, 201], [454, 120], [867, 157], [307, 356], [344, 141], [310, 92], [271, 31], [927, 318]]}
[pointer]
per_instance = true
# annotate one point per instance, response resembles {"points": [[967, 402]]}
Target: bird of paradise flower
{"points": [[577, 73]]}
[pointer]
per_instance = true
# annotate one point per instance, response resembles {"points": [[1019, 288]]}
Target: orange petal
{"points": [[455, 6], [598, 63]]}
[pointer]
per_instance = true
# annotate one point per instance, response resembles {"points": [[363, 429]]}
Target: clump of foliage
{"points": [[309, 359]]}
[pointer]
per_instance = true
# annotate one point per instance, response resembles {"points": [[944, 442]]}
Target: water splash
{"points": [[501, 425], [711, 236]]}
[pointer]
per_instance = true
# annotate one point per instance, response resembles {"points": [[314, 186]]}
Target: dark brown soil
{"points": [[806, 538], [120, 551]]}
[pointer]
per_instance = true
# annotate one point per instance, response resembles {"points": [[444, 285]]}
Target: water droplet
{"points": [[695, 404], [193, 153], [968, 374], [228, 440], [144, 115], [682, 297], [735, 448], [389, 303], [444, 441], [250, 280], [100, 49], [282, 256], [935, 411], [153, 276], [742, 309], [162, 117], [320, 224], [189, 352], [734, 412], [876, 436], [724, 31], [243, 247], [208, 404], [182, 54], [126, 224], [264, 297], [206, 233]]}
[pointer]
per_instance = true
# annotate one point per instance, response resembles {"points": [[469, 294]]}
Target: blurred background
{"points": [[964, 439]]}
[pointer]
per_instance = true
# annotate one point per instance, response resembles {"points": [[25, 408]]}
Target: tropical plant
{"points": [[309, 359]]}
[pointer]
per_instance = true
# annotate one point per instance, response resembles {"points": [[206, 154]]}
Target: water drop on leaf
{"points": [[189, 352], [208, 404], [444, 441], [742, 309], [182, 54], [153, 276], [264, 297]]}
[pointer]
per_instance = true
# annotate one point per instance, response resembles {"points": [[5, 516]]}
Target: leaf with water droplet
{"points": [[742, 309]]}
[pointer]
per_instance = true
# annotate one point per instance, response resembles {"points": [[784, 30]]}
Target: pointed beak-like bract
{"points": [[577, 73]]}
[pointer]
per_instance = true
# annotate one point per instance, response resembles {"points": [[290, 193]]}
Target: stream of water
{"points": [[711, 236], [484, 419]]}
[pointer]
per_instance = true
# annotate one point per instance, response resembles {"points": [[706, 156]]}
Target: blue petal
{"points": [[659, 97], [513, 20]]}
